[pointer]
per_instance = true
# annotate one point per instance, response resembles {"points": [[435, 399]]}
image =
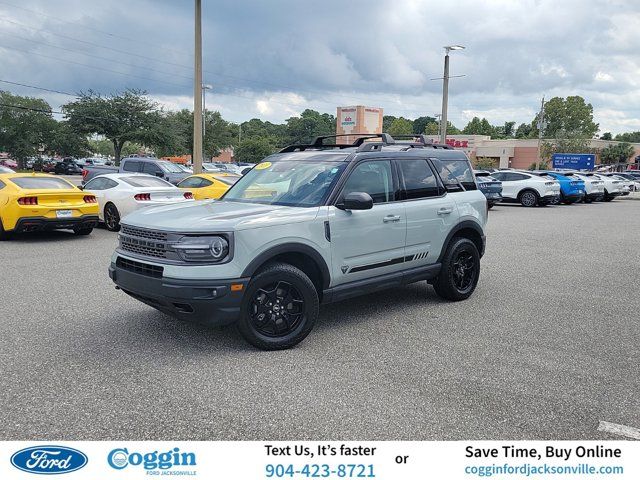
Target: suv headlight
{"points": [[202, 249]]}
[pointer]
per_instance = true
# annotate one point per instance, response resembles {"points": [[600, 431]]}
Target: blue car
{"points": [[491, 187], [572, 189]]}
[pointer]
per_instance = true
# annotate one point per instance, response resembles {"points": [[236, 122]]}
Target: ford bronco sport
{"points": [[311, 224]]}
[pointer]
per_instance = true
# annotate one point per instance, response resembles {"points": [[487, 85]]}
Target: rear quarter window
{"points": [[454, 170]]}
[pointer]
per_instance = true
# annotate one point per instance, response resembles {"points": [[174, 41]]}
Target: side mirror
{"points": [[356, 201], [80, 187], [452, 187], [160, 174]]}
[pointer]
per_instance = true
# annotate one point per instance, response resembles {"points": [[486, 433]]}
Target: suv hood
{"points": [[213, 215]]}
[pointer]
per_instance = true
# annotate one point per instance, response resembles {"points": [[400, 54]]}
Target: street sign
{"points": [[574, 161]]}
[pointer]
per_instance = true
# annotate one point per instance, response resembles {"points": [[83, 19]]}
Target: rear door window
{"points": [[419, 179]]}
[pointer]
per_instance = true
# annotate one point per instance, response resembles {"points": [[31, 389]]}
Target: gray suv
{"points": [[312, 224]]}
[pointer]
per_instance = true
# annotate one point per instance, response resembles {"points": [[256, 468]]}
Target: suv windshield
{"points": [[169, 167], [299, 183]]}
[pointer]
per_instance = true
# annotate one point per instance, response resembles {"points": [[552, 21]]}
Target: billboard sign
{"points": [[574, 161]]}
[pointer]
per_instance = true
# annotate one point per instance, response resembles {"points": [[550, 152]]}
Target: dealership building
{"points": [[506, 153]]}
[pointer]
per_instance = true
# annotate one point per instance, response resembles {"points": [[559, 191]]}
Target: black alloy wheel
{"points": [[277, 309], [459, 272], [111, 217]]}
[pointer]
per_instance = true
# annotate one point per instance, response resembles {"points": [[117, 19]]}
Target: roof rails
{"points": [[363, 144]]}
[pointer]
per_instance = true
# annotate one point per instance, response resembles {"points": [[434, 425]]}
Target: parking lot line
{"points": [[620, 430]]}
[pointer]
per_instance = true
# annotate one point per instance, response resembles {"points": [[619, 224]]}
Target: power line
{"points": [[38, 88], [93, 29]]}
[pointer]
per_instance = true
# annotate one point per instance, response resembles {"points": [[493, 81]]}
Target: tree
{"points": [[127, 117], [309, 125], [524, 130], [431, 129], [26, 125], [565, 144], [616, 153], [253, 150], [633, 137], [606, 136], [387, 120], [543, 165], [101, 146], [572, 115], [482, 163], [67, 142], [401, 126], [420, 123], [479, 127]]}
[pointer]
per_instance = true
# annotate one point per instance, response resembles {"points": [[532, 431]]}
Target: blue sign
{"points": [[574, 161], [49, 460]]}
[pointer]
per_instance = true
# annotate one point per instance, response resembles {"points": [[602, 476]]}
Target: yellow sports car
{"points": [[36, 201], [205, 186]]}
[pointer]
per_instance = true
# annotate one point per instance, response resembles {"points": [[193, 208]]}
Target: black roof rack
{"points": [[364, 144], [318, 142]]}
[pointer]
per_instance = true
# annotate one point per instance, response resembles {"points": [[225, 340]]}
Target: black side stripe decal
{"points": [[393, 261]]}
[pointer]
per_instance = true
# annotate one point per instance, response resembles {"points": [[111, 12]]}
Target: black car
{"points": [[491, 187], [68, 166]]}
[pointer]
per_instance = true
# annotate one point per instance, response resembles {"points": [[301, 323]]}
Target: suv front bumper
{"points": [[210, 302]]}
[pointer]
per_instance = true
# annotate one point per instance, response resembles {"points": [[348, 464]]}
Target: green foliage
{"points": [[401, 126], [26, 126], [309, 125], [67, 142], [479, 127], [101, 146], [565, 144], [572, 115], [420, 123], [606, 136], [253, 150], [616, 153], [543, 165], [524, 130], [431, 128], [127, 117], [633, 137], [482, 163]]}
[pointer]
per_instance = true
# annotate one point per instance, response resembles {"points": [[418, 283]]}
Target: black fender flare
{"points": [[290, 247], [465, 224]]}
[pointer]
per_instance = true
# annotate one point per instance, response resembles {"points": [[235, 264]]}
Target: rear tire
{"points": [[279, 308], [460, 271], [111, 217], [528, 198]]}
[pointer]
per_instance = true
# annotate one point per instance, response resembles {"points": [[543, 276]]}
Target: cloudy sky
{"points": [[272, 59]]}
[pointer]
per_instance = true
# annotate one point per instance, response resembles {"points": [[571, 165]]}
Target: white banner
{"points": [[329, 460]]}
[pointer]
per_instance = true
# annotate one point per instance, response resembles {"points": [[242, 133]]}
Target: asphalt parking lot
{"points": [[546, 348]]}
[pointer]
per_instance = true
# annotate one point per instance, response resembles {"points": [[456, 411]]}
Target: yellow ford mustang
{"points": [[205, 186], [36, 201]]}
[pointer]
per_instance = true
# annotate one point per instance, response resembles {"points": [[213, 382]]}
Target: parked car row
{"points": [[549, 187]]}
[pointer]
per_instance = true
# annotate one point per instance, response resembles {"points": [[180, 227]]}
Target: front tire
{"points": [[528, 198], [279, 308], [111, 217], [460, 271]]}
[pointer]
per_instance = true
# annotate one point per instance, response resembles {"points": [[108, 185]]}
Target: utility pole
{"points": [[197, 91], [445, 92], [541, 126]]}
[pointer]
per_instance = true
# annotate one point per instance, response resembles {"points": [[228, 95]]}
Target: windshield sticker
{"points": [[263, 165]]}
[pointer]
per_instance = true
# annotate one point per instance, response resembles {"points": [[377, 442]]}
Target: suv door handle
{"points": [[391, 218], [445, 210]]}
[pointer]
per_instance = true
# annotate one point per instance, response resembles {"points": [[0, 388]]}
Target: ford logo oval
{"points": [[49, 460]]}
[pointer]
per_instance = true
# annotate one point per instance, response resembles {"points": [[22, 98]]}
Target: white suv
{"points": [[311, 224], [527, 188], [593, 185]]}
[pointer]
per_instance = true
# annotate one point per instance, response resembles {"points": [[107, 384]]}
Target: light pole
{"points": [[445, 91], [197, 91], [205, 87]]}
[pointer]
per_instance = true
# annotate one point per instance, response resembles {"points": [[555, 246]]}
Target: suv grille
{"points": [[140, 268], [139, 232], [150, 249]]}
